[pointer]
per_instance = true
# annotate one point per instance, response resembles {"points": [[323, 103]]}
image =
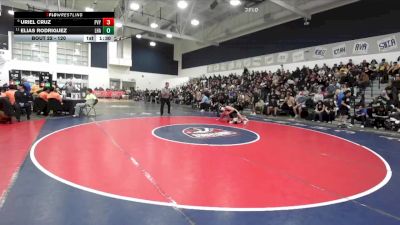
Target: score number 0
{"points": [[108, 25]]}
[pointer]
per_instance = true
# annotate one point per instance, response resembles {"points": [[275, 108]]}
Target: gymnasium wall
{"points": [[159, 59], [362, 19], [378, 47]]}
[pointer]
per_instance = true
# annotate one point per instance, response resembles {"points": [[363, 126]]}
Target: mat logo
{"points": [[205, 132]]}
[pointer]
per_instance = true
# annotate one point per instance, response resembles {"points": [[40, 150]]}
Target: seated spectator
{"points": [[318, 96], [319, 110], [35, 89], [44, 94], [53, 94], [329, 111], [22, 102], [361, 114], [299, 103], [6, 110], [259, 107], [90, 101], [205, 102], [380, 114], [273, 104], [10, 94]]}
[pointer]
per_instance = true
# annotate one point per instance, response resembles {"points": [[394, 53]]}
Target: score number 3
{"points": [[108, 22]]}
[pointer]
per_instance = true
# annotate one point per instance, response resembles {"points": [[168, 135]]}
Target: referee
{"points": [[165, 98]]}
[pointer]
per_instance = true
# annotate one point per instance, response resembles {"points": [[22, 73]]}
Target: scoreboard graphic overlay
{"points": [[64, 26]]}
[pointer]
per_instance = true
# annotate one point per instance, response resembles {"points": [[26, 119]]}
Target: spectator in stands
{"points": [[319, 110], [363, 81], [90, 100], [394, 69], [382, 71], [273, 103], [361, 114], [329, 111], [205, 102], [380, 114]]}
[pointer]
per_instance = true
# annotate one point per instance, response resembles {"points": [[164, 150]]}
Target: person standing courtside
{"points": [[165, 98]]}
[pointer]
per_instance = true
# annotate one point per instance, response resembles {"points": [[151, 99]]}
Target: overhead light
{"points": [[153, 25], [235, 2], [169, 35], [89, 9], [138, 36], [306, 22], [118, 24], [182, 4], [135, 6], [213, 4], [195, 22], [11, 12], [152, 44]]}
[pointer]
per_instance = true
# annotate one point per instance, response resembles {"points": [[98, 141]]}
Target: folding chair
{"points": [[90, 108]]}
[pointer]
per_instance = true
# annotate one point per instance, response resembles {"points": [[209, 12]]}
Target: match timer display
{"points": [[64, 26]]}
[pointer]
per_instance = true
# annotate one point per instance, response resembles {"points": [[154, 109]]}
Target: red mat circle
{"points": [[288, 168]]}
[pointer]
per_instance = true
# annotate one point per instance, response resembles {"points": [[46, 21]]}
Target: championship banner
{"points": [[387, 44], [320, 52], [298, 56], [339, 50], [269, 59], [210, 68], [222, 66], [216, 67], [283, 57], [360, 48], [247, 62], [231, 65], [256, 61]]}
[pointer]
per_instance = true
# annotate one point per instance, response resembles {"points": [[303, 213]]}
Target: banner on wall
{"points": [[320, 52], [387, 44], [210, 69], [360, 48], [356, 47], [269, 59], [283, 57], [298, 56], [339, 50], [256, 61]]}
